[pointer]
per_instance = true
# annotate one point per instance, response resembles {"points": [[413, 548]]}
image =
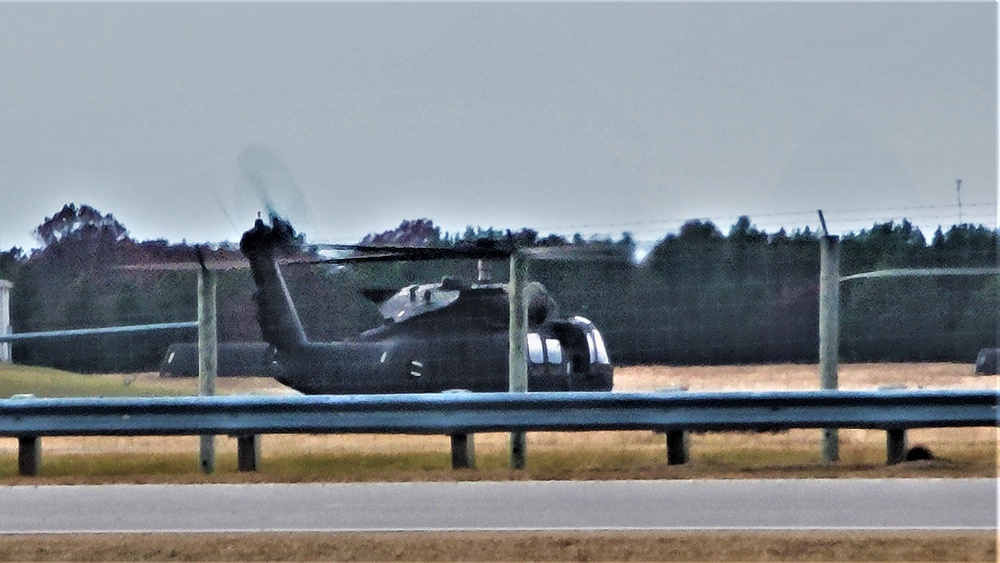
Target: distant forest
{"points": [[699, 297]]}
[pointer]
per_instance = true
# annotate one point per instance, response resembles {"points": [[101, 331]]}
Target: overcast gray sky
{"points": [[588, 117]]}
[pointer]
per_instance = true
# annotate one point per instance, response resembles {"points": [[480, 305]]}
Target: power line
{"points": [[660, 227]]}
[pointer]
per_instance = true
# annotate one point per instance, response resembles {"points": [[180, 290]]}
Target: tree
{"points": [[10, 263], [697, 230], [78, 223], [745, 233]]}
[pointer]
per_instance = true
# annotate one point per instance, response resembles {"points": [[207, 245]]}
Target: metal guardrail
{"points": [[449, 413], [459, 414]]}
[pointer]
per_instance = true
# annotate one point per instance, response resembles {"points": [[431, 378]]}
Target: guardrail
{"points": [[462, 414]]}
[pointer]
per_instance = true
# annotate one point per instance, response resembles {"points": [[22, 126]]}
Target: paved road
{"points": [[606, 505]]}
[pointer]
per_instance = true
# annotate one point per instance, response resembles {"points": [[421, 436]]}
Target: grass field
{"points": [[45, 382]]}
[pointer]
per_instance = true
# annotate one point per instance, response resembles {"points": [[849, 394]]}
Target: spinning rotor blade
{"points": [[269, 180], [485, 249], [591, 252]]}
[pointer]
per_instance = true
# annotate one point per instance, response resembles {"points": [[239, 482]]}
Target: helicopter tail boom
{"points": [[279, 321]]}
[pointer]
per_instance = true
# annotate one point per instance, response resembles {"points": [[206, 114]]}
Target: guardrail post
{"points": [[678, 447], [895, 438], [29, 455], [463, 451], [463, 446], [895, 446], [207, 356], [248, 452], [678, 441], [829, 331]]}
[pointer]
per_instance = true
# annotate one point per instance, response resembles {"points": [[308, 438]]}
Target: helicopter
{"points": [[435, 337]]}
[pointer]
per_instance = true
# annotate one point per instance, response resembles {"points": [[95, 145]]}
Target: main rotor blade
{"points": [[482, 245], [413, 255], [590, 252], [408, 254], [239, 264]]}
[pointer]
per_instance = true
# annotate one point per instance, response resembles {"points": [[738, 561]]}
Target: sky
{"points": [[181, 118]]}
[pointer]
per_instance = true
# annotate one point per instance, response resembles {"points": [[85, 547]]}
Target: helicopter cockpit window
{"points": [[600, 349], [553, 350], [535, 353]]}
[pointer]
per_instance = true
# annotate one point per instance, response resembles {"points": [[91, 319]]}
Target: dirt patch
{"points": [[513, 546]]}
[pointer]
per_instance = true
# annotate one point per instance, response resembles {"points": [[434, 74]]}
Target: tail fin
{"points": [[279, 322]]}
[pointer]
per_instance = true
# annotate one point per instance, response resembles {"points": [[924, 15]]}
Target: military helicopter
{"points": [[435, 337]]}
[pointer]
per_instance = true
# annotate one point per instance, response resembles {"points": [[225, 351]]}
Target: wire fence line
{"points": [[698, 297]]}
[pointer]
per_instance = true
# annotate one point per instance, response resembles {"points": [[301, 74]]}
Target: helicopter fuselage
{"points": [[561, 357], [435, 337]]}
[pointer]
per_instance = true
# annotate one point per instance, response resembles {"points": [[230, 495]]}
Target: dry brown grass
{"points": [[697, 378], [513, 546], [801, 376]]}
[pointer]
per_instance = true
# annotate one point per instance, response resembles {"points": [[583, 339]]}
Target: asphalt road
{"points": [[881, 504]]}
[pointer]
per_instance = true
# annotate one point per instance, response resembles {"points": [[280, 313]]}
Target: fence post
{"points": [[5, 287], [829, 331], [207, 356], [518, 361]]}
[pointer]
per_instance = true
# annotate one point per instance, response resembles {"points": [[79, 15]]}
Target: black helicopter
{"points": [[435, 337]]}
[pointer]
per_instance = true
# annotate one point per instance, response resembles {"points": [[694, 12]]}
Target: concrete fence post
{"points": [[5, 287], [829, 331], [517, 357], [208, 359]]}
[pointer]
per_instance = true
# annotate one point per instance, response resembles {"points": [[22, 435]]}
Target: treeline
{"points": [[749, 297], [699, 297]]}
